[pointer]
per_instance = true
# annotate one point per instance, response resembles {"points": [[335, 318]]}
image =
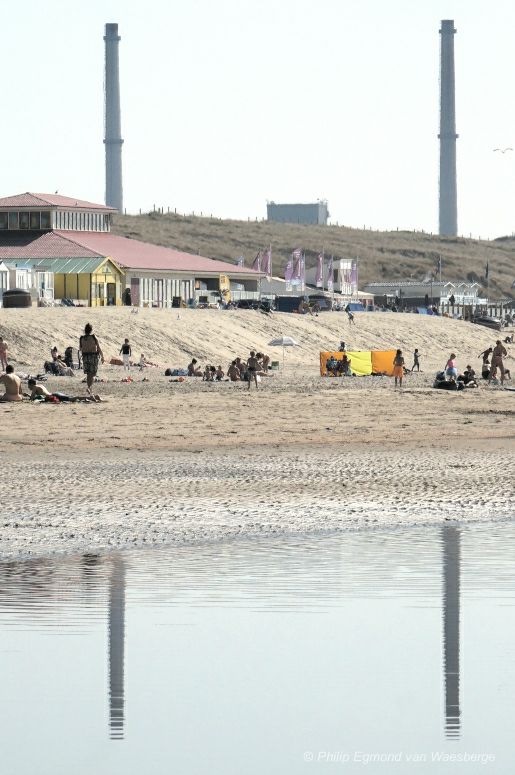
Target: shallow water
{"points": [[372, 652]]}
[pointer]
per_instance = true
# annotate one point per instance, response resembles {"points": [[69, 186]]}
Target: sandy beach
{"points": [[168, 462]]}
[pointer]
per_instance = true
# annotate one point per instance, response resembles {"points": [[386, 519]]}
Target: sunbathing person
{"points": [[12, 385], [344, 366], [39, 392]]}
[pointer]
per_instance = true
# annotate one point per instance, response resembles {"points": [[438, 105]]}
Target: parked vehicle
{"points": [[484, 320]]}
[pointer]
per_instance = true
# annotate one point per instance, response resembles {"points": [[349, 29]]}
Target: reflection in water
{"points": [[116, 648], [451, 628]]}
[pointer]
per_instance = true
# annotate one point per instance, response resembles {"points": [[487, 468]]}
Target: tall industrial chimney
{"points": [[113, 130], [448, 220]]}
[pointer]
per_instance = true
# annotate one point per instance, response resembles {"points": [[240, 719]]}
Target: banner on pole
{"points": [[320, 271]]}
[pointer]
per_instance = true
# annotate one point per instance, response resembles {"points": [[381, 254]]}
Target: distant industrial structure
{"points": [[113, 129], [316, 213], [448, 210]]}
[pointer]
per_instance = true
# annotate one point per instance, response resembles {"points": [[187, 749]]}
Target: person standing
{"points": [[398, 367], [498, 353], [451, 369], [126, 352], [3, 354], [252, 367], [416, 360], [91, 352]]}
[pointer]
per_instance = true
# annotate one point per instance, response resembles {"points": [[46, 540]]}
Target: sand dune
{"points": [[171, 337]]}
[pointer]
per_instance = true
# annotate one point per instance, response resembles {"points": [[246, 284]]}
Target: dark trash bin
{"points": [[16, 298]]}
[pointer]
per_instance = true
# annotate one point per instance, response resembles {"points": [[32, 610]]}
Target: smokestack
{"points": [[113, 130], [448, 220]]}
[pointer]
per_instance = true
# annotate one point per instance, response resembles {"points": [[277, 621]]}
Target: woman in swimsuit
{"points": [[398, 367], [91, 352]]}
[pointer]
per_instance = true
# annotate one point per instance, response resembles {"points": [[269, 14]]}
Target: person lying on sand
{"points": [[12, 385], [39, 392]]}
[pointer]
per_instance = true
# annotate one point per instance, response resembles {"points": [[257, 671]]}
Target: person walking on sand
{"points": [[91, 353], [349, 315], [252, 367], [126, 352], [498, 353], [3, 354], [416, 360], [398, 367], [12, 385]]}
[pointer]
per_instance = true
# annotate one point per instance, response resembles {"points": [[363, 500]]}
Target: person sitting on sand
{"points": [[206, 376], [233, 372], [54, 352], [219, 374], [332, 366], [193, 370], [12, 385], [468, 378], [344, 365], [398, 367], [62, 370], [3, 354], [40, 393], [91, 352], [242, 368], [450, 367]]}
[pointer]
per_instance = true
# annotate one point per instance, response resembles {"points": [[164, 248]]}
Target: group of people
{"points": [[492, 359], [246, 370]]}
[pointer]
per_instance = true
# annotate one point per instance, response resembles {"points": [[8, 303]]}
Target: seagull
{"points": [[503, 150]]}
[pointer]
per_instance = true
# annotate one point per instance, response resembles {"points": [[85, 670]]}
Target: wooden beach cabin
{"points": [[98, 282]]}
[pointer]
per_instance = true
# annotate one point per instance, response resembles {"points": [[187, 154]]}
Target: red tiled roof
{"points": [[128, 253], [134, 254], [18, 245], [50, 200]]}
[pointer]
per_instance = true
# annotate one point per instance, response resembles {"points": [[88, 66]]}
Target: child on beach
{"points": [[398, 367], [126, 352], [252, 367], [451, 369], [142, 362], [416, 360], [219, 374]]}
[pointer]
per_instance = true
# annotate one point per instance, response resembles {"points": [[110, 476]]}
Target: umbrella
{"points": [[283, 341]]}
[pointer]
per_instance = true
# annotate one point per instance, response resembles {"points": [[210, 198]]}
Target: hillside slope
{"points": [[382, 255]]}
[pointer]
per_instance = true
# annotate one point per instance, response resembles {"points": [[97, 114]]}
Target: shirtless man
{"points": [[3, 354], [252, 368], [12, 385], [38, 391], [498, 353]]}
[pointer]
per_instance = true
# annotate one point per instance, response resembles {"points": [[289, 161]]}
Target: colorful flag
{"points": [[256, 264], [354, 276], [266, 262], [288, 273], [296, 278], [241, 261], [320, 271], [303, 273], [330, 275]]}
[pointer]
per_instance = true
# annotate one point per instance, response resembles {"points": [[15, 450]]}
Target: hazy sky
{"points": [[228, 104]]}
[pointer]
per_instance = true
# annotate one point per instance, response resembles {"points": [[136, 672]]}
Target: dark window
{"points": [[24, 221], [3, 220], [13, 220], [34, 221], [45, 221]]}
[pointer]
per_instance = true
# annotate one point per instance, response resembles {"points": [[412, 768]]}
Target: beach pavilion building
{"points": [[66, 247]]}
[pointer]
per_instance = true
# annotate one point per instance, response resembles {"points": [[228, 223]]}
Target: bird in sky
{"points": [[503, 150]]}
